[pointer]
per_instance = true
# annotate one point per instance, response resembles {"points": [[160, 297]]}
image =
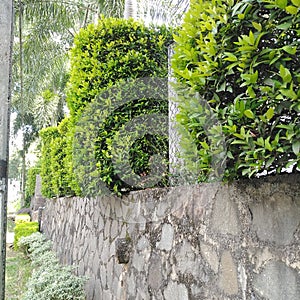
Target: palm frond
{"points": [[168, 12]]}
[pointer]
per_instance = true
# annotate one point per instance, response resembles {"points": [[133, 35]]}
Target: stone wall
{"points": [[209, 241]]}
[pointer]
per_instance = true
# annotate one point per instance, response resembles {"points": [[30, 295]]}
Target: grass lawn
{"points": [[18, 271]]}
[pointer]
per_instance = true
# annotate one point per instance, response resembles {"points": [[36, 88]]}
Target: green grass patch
{"points": [[18, 272], [10, 225]]}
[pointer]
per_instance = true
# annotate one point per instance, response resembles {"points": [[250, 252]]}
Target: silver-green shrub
{"points": [[50, 280]]}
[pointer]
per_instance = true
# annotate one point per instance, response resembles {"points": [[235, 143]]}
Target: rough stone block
{"points": [[155, 273], [211, 256], [138, 262], [167, 236], [228, 280], [225, 216], [176, 291], [275, 218], [277, 281]]}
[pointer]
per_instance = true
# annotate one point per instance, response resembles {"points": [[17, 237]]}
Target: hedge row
{"points": [[239, 60], [30, 183], [56, 161], [23, 229], [111, 54]]}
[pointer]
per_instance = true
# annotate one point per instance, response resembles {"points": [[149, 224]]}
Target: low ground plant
{"points": [[49, 280]]}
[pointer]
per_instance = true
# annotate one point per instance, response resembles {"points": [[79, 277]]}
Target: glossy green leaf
{"points": [[270, 113], [229, 155], [268, 146], [230, 56], [296, 147], [281, 3], [291, 9], [257, 26], [288, 93], [296, 3], [290, 49], [249, 114], [285, 74], [284, 26]]}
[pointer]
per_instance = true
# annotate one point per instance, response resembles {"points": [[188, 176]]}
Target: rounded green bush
{"points": [[24, 229], [49, 279], [114, 50], [107, 61], [242, 58]]}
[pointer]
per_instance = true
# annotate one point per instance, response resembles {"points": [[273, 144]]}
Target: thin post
{"points": [[6, 24], [130, 9]]}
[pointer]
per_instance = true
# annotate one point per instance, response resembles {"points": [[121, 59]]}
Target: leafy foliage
{"points": [[56, 164], [30, 183], [24, 229], [120, 135], [113, 53], [114, 49], [242, 57]]}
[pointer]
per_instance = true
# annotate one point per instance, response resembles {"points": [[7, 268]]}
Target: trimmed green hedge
{"points": [[24, 229], [114, 53], [119, 146], [30, 184], [56, 161], [242, 57], [22, 218], [114, 50]]}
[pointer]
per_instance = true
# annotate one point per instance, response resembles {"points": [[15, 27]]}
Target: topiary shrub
{"points": [[119, 143], [24, 229], [48, 135], [242, 58], [56, 161], [114, 50], [107, 62]]}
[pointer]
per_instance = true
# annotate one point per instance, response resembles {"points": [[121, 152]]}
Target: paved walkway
{"points": [[10, 237]]}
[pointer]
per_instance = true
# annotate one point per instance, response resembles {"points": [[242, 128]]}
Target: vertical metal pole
{"points": [[6, 25], [130, 9]]}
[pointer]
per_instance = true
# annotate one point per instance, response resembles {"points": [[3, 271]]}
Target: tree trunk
{"points": [[6, 23], [130, 9]]}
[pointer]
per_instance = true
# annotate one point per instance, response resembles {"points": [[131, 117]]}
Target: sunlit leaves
{"points": [[254, 87]]}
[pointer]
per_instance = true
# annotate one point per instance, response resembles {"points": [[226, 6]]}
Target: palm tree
{"points": [[168, 12], [46, 30]]}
